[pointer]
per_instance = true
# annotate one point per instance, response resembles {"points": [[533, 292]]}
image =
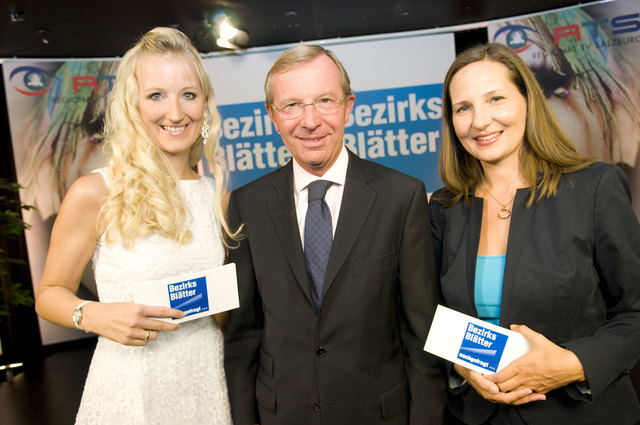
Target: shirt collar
{"points": [[337, 174]]}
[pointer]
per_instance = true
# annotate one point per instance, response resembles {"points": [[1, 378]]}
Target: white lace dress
{"points": [[178, 378]]}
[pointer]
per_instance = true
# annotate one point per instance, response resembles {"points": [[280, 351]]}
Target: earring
{"points": [[204, 132]]}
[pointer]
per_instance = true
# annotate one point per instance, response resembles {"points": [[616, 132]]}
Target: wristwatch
{"points": [[77, 315]]}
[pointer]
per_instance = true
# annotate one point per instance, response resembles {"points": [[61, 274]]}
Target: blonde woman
{"points": [[146, 216]]}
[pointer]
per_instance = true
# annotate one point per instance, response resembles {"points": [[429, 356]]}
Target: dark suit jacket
{"points": [[573, 274], [358, 359]]}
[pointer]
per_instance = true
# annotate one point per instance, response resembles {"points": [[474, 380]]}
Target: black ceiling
{"points": [[108, 28]]}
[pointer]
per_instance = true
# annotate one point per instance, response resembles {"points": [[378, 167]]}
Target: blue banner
{"points": [[398, 127]]}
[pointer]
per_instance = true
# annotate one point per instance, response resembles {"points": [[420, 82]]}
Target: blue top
{"points": [[488, 286]]}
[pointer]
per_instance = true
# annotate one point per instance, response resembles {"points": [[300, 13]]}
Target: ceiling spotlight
{"points": [[227, 30], [227, 35], [226, 44], [44, 33]]}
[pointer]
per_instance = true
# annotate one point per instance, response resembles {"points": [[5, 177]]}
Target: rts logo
{"points": [[600, 33], [33, 81]]}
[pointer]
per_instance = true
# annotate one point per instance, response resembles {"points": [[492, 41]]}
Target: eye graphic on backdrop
{"points": [[32, 81], [515, 36]]}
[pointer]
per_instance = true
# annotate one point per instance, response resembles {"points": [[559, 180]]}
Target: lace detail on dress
{"points": [[178, 378]]}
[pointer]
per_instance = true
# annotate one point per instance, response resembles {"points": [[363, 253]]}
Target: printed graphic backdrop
{"points": [[56, 110], [587, 60]]}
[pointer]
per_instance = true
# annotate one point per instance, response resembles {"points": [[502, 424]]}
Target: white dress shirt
{"points": [[337, 174]]}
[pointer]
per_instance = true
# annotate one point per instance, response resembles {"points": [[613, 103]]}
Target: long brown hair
{"points": [[546, 151]]}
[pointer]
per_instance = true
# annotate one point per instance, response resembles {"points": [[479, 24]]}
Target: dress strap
{"points": [[104, 172]]}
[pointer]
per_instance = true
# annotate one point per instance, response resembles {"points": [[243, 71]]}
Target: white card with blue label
{"points": [[473, 343], [198, 294]]}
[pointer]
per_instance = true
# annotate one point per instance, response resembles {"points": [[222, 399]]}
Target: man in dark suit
{"points": [[333, 337]]}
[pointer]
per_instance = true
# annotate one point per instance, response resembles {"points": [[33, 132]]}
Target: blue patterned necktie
{"points": [[318, 237]]}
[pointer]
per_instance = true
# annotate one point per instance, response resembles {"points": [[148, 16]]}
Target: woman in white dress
{"points": [[146, 216]]}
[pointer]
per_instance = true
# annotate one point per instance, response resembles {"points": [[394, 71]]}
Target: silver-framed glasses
{"points": [[324, 105]]}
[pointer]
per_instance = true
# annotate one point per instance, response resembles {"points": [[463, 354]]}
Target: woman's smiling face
{"points": [[488, 112], [171, 102]]}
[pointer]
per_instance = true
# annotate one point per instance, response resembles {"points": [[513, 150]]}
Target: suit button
{"points": [[321, 351], [316, 407]]}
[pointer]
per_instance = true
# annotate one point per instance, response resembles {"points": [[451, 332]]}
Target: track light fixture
{"points": [[227, 35], [16, 16], [44, 34]]}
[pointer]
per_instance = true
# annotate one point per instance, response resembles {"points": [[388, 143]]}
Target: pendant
{"points": [[504, 212]]}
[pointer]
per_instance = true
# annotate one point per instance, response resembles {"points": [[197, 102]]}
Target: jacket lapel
{"points": [[520, 222], [473, 241], [282, 210], [357, 201]]}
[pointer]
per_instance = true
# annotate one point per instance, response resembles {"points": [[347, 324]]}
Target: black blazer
{"points": [[358, 359], [572, 273]]}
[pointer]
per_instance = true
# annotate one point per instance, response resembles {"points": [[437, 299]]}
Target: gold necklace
{"points": [[504, 212]]}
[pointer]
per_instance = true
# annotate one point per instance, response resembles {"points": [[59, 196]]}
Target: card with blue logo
{"points": [[189, 296], [473, 343], [197, 294]]}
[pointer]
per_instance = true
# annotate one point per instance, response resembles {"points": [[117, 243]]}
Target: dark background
{"points": [[108, 28]]}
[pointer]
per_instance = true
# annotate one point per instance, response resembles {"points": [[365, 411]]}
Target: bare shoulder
{"points": [[87, 190], [84, 199]]}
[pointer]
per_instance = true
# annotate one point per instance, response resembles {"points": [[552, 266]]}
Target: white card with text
{"points": [[198, 294], [473, 343]]}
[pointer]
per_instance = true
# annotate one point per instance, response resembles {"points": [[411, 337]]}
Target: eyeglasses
{"points": [[324, 105]]}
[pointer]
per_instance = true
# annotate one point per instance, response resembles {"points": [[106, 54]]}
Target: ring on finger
{"points": [[148, 336]]}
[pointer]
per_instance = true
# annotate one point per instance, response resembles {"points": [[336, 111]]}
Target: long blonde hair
{"points": [[143, 192], [546, 152]]}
